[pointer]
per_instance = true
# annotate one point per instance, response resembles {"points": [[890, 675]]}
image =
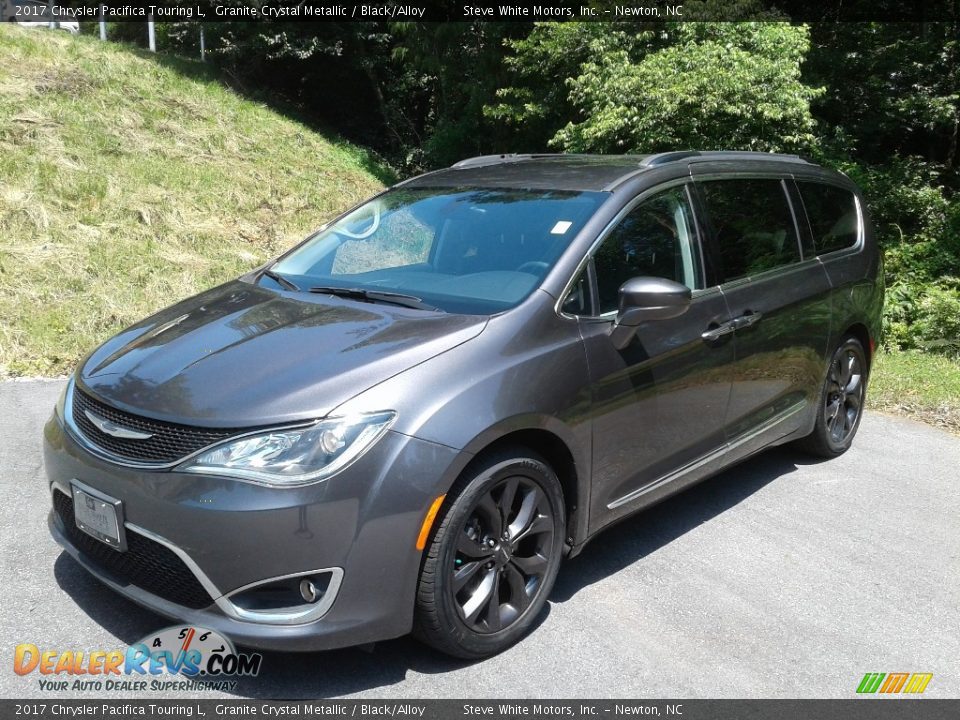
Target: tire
{"points": [[840, 405], [483, 581]]}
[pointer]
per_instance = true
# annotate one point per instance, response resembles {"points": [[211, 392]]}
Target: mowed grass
{"points": [[919, 385], [129, 181]]}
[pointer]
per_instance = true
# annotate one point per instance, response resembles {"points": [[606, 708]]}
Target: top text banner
{"points": [[306, 11]]}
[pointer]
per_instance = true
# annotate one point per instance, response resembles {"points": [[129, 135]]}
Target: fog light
{"points": [[284, 595], [286, 600], [309, 591]]}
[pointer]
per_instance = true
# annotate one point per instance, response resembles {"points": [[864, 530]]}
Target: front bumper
{"points": [[358, 528]]}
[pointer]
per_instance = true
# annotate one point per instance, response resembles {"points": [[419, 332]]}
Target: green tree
{"points": [[891, 89], [457, 68], [889, 118], [536, 104], [713, 86]]}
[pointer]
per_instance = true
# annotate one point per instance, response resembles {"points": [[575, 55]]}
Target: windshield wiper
{"points": [[281, 280], [375, 296]]}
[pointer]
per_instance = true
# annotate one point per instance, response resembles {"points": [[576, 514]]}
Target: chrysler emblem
{"points": [[105, 426]]}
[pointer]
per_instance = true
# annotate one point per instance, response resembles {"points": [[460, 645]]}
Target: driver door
{"points": [[658, 405]]}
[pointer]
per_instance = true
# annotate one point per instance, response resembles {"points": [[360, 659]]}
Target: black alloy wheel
{"points": [[844, 397], [494, 556], [841, 402], [502, 554]]}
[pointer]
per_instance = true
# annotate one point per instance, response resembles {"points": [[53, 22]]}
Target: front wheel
{"points": [[841, 402], [494, 557]]}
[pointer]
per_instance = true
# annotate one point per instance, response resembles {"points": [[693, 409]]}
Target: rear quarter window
{"points": [[832, 212]]}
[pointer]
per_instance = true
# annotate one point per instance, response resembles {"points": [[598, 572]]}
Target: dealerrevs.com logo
{"points": [[176, 658]]}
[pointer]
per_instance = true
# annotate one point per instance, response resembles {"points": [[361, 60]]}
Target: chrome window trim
{"points": [[605, 233], [861, 232], [796, 222], [772, 273], [298, 615], [707, 176]]}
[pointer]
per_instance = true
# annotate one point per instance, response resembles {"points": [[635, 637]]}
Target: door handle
{"points": [[719, 331], [746, 320]]}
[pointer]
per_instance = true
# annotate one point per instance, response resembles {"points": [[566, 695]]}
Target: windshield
{"points": [[475, 251]]}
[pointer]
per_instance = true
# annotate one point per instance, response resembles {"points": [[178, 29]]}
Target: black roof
{"points": [[568, 172]]}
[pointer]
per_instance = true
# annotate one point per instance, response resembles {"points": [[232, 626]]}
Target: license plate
{"points": [[99, 516]]}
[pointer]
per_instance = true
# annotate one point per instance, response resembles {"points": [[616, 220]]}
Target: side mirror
{"points": [[647, 298]]}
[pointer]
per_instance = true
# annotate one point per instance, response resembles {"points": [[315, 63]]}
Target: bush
{"points": [[918, 227], [938, 320], [924, 317], [917, 222]]}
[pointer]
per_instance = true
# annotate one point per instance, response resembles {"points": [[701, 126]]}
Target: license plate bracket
{"points": [[99, 515]]}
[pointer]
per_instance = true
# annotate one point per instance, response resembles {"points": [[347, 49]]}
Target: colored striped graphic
{"points": [[894, 683], [918, 682], [870, 682]]}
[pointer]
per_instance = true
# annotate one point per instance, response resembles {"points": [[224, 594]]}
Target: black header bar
{"points": [[483, 10], [855, 709]]}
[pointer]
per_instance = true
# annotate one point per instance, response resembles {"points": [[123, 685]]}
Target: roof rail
{"points": [[700, 156], [751, 155], [483, 160], [667, 157], [649, 161]]}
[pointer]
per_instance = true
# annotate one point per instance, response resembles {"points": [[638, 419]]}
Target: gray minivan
{"points": [[406, 421]]}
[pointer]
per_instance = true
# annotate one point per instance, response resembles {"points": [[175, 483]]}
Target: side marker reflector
{"points": [[428, 522]]}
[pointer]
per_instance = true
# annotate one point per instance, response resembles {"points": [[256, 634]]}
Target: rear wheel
{"points": [[841, 402], [494, 557]]}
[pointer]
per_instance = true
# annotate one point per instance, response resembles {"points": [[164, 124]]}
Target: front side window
{"points": [[655, 239], [577, 301], [752, 225], [474, 251], [832, 212]]}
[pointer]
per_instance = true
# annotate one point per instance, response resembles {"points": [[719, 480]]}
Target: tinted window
{"points": [[657, 239], [833, 216], [474, 250], [752, 224], [577, 300], [401, 239]]}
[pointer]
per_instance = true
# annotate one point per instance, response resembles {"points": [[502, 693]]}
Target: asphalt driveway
{"points": [[780, 578]]}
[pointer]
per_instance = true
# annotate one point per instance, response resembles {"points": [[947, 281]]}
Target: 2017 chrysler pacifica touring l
{"points": [[406, 421]]}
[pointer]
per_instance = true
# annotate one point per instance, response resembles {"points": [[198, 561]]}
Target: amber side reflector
{"points": [[428, 522]]}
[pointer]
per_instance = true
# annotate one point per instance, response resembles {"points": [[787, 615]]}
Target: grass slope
{"points": [[129, 181]]}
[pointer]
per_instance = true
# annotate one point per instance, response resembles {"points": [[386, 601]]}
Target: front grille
{"points": [[170, 442], [146, 563]]}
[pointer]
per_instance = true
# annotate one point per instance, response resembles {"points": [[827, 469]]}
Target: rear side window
{"points": [[832, 212], [752, 224]]}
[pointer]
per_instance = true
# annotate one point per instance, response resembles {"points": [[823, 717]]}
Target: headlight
{"points": [[61, 407], [287, 458]]}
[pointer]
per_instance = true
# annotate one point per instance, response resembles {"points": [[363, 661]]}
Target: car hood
{"points": [[244, 356]]}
